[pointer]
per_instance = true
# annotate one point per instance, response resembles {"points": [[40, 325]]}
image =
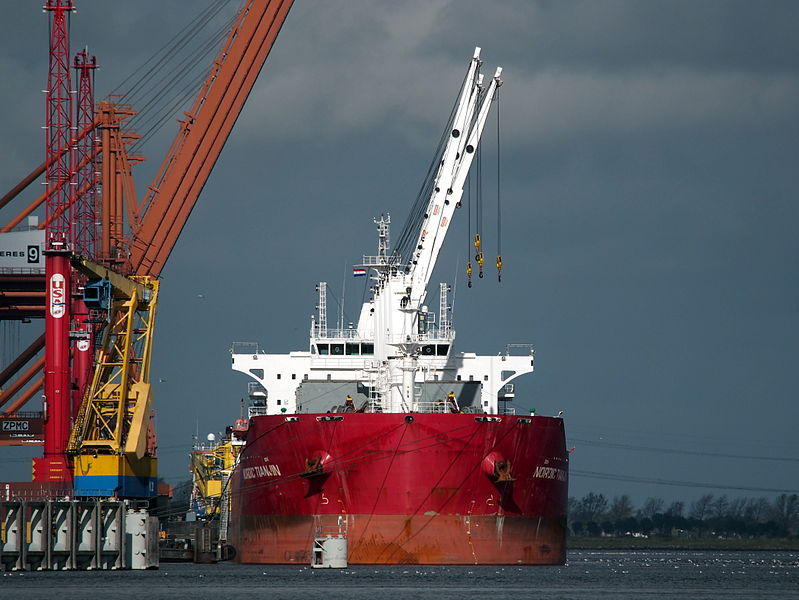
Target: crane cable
{"points": [[404, 248], [499, 199], [164, 54], [165, 102], [478, 250], [161, 55], [469, 230], [181, 71], [152, 85]]}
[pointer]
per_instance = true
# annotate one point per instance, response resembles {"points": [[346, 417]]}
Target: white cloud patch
{"points": [[553, 105], [337, 70]]}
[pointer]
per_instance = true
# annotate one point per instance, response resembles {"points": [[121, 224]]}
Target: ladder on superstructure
{"points": [[378, 388]]}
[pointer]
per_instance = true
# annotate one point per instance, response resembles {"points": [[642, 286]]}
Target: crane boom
{"points": [[203, 134], [454, 167]]}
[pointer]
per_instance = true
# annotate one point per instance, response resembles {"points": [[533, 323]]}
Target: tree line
{"points": [[708, 516]]}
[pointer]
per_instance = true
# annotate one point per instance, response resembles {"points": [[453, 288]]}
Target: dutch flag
{"points": [[358, 272]]}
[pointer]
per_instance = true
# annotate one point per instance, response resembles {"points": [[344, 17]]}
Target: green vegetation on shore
{"points": [[711, 522]]}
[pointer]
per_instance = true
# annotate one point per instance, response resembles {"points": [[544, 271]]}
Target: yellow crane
{"points": [[112, 443]]}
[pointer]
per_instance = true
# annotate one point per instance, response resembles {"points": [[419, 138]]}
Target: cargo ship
{"points": [[382, 432]]}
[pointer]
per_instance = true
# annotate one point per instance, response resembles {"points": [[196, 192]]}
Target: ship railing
{"points": [[348, 333], [26, 495], [256, 411], [41, 495], [442, 406], [436, 334], [432, 406], [519, 350], [374, 261], [208, 446], [246, 348], [506, 391], [24, 415], [431, 337], [327, 527], [255, 390], [374, 405], [329, 532], [507, 410], [341, 362]]}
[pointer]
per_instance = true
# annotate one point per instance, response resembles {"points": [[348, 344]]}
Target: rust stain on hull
{"points": [[399, 539]]}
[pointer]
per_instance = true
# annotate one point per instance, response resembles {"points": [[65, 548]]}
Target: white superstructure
{"points": [[397, 358]]}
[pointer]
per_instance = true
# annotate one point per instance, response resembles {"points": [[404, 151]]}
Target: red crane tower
{"points": [[53, 466], [85, 223]]}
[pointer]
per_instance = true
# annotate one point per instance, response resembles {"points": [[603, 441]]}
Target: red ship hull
{"points": [[408, 489]]}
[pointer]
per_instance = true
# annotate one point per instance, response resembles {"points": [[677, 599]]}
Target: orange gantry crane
{"points": [[203, 134], [135, 238]]}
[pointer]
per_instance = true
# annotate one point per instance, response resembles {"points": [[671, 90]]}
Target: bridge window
{"points": [[278, 375], [442, 349], [368, 349], [353, 349], [337, 349], [323, 348], [294, 376], [429, 350], [259, 373]]}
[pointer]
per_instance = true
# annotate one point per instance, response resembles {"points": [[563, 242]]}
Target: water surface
{"points": [[589, 574]]}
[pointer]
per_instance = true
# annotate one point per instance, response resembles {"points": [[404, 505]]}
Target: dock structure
{"points": [[49, 535]]}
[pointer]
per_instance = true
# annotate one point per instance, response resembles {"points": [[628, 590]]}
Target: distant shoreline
{"points": [[661, 543]]}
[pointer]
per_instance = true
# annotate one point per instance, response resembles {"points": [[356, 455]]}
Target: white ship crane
{"points": [[400, 290]]}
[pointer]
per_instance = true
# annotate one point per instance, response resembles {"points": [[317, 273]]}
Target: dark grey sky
{"points": [[649, 212]]}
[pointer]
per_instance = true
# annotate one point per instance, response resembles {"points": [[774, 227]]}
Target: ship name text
{"points": [[261, 471], [550, 473]]}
